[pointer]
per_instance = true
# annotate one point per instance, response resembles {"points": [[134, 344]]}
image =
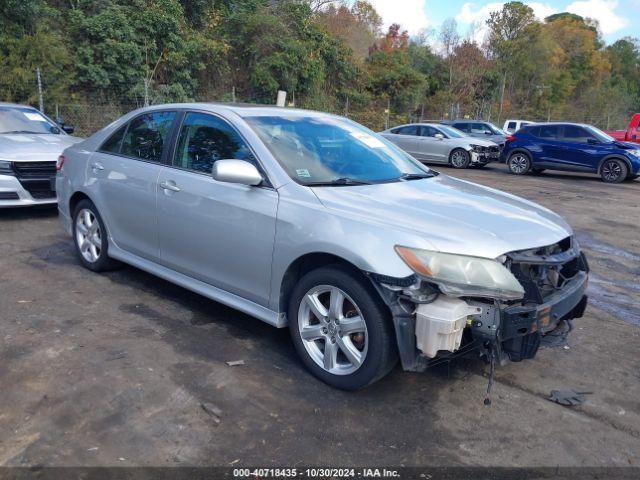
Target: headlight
{"points": [[635, 153], [5, 167], [462, 275], [476, 148]]}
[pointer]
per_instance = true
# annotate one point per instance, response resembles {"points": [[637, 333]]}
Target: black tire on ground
{"points": [[519, 163], [614, 170], [103, 262], [381, 350], [459, 158]]}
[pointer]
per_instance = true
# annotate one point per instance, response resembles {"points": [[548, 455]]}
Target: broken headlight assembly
{"points": [[461, 275]]}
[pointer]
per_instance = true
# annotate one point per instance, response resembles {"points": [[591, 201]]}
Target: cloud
{"points": [[410, 14], [601, 10], [469, 13]]}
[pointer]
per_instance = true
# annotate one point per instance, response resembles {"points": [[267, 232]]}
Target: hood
{"points": [[626, 145], [34, 147], [453, 215], [478, 141]]}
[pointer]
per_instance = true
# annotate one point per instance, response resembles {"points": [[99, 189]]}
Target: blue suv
{"points": [[571, 147]]}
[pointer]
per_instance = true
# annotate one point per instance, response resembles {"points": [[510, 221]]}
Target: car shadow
{"points": [[25, 213]]}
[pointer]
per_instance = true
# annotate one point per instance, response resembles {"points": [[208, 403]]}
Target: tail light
{"points": [[509, 138], [59, 163]]}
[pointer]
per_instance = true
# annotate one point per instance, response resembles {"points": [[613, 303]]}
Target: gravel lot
{"points": [[114, 369]]}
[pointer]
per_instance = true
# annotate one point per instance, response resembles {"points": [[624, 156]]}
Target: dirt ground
{"points": [[114, 369]]}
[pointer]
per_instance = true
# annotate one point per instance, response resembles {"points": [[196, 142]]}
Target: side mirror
{"points": [[487, 133], [68, 128], [439, 136], [592, 141], [236, 171]]}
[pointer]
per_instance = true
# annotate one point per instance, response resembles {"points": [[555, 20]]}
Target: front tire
{"points": [[614, 171], [90, 238], [519, 163], [340, 328], [459, 158]]}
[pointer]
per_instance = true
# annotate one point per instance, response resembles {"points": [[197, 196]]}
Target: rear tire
{"points": [[90, 238], [614, 171], [459, 158], [519, 163], [347, 338]]}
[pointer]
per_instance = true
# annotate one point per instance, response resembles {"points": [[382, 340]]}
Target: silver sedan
{"points": [[310, 220], [431, 143], [30, 144]]}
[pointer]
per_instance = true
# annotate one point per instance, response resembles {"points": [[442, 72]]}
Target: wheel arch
{"points": [[521, 150], [615, 156], [304, 264], [76, 198]]}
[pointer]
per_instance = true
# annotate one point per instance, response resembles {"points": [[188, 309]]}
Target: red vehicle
{"points": [[631, 134]]}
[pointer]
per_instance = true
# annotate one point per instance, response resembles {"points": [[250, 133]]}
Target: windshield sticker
{"points": [[303, 173], [34, 116], [368, 140]]}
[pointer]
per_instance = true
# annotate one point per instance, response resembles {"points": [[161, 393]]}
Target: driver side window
{"points": [[205, 139]]}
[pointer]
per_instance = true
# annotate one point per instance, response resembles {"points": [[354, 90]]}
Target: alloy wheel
{"points": [[333, 330], [88, 235], [458, 159], [611, 171], [519, 163]]}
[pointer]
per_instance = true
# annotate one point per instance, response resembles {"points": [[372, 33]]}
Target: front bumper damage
{"points": [[483, 155], [555, 280]]}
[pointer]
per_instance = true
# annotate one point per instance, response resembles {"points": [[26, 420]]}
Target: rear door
{"points": [[219, 233], [406, 138], [547, 147], [122, 177]]}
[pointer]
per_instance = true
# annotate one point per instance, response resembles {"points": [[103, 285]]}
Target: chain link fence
{"points": [[88, 118]]}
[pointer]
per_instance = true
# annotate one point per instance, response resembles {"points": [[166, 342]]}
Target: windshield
{"points": [[330, 149], [599, 134], [24, 120], [496, 130], [452, 132]]}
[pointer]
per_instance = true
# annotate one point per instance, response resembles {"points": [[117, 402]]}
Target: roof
{"points": [[241, 109]]}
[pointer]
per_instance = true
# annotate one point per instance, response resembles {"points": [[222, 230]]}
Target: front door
{"points": [[434, 149], [219, 233]]}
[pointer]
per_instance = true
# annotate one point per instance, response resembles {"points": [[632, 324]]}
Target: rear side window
{"points": [[147, 135], [408, 130], [205, 139], [512, 126], [114, 142], [546, 131]]}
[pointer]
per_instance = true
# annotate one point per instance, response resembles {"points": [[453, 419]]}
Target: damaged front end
{"points": [[444, 311]]}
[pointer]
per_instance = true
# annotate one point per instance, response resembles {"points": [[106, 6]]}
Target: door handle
{"points": [[170, 186], [97, 166]]}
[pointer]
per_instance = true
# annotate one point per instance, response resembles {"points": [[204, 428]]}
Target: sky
{"points": [[618, 18]]}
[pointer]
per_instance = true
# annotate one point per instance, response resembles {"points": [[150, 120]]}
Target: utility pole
{"points": [[146, 92], [40, 89]]}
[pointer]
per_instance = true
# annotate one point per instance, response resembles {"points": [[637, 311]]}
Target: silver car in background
{"points": [[433, 143], [30, 144], [310, 220]]}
